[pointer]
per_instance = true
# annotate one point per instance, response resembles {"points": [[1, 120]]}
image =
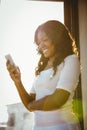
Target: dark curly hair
{"points": [[62, 40]]}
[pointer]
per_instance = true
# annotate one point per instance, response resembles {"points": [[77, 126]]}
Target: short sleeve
{"points": [[32, 89], [69, 75]]}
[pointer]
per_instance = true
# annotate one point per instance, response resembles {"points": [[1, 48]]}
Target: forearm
{"points": [[15, 75], [50, 102], [25, 97], [45, 104]]}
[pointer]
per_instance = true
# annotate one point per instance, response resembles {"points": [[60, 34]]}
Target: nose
{"points": [[41, 46]]}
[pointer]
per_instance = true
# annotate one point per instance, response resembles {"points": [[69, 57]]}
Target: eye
{"points": [[46, 39], [43, 40]]}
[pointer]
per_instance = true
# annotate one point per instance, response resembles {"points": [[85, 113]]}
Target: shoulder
{"points": [[72, 65], [72, 61], [72, 58]]}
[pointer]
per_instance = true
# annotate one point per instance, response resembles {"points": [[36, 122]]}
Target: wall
{"points": [[82, 8]]}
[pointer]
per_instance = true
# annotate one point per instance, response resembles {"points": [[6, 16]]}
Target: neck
{"points": [[50, 63], [51, 59]]}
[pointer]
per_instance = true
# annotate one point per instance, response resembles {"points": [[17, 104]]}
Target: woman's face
{"points": [[45, 45]]}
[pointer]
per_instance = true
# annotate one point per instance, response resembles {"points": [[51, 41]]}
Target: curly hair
{"points": [[61, 38]]}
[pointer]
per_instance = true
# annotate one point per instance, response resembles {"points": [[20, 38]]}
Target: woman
{"points": [[56, 79]]}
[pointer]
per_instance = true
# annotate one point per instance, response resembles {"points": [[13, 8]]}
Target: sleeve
{"points": [[70, 74], [32, 89]]}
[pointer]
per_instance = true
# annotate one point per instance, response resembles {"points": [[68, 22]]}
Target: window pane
{"points": [[18, 21]]}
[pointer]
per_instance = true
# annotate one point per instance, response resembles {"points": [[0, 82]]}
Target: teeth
{"points": [[45, 50]]}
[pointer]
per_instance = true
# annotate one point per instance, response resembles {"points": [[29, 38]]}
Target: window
{"points": [[19, 19]]}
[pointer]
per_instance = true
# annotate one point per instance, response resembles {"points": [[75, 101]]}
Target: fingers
{"points": [[29, 108], [12, 68], [9, 66], [14, 72], [18, 70]]}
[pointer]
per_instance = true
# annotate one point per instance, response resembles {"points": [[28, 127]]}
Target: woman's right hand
{"points": [[14, 72]]}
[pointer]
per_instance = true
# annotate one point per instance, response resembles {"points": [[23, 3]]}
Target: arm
{"points": [[50, 102], [16, 77], [25, 97]]}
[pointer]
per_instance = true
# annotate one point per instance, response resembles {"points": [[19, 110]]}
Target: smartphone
{"points": [[8, 57]]}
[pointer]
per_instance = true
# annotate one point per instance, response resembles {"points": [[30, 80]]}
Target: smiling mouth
{"points": [[45, 50]]}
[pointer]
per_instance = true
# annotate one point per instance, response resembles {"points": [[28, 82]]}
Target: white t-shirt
{"points": [[66, 78]]}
